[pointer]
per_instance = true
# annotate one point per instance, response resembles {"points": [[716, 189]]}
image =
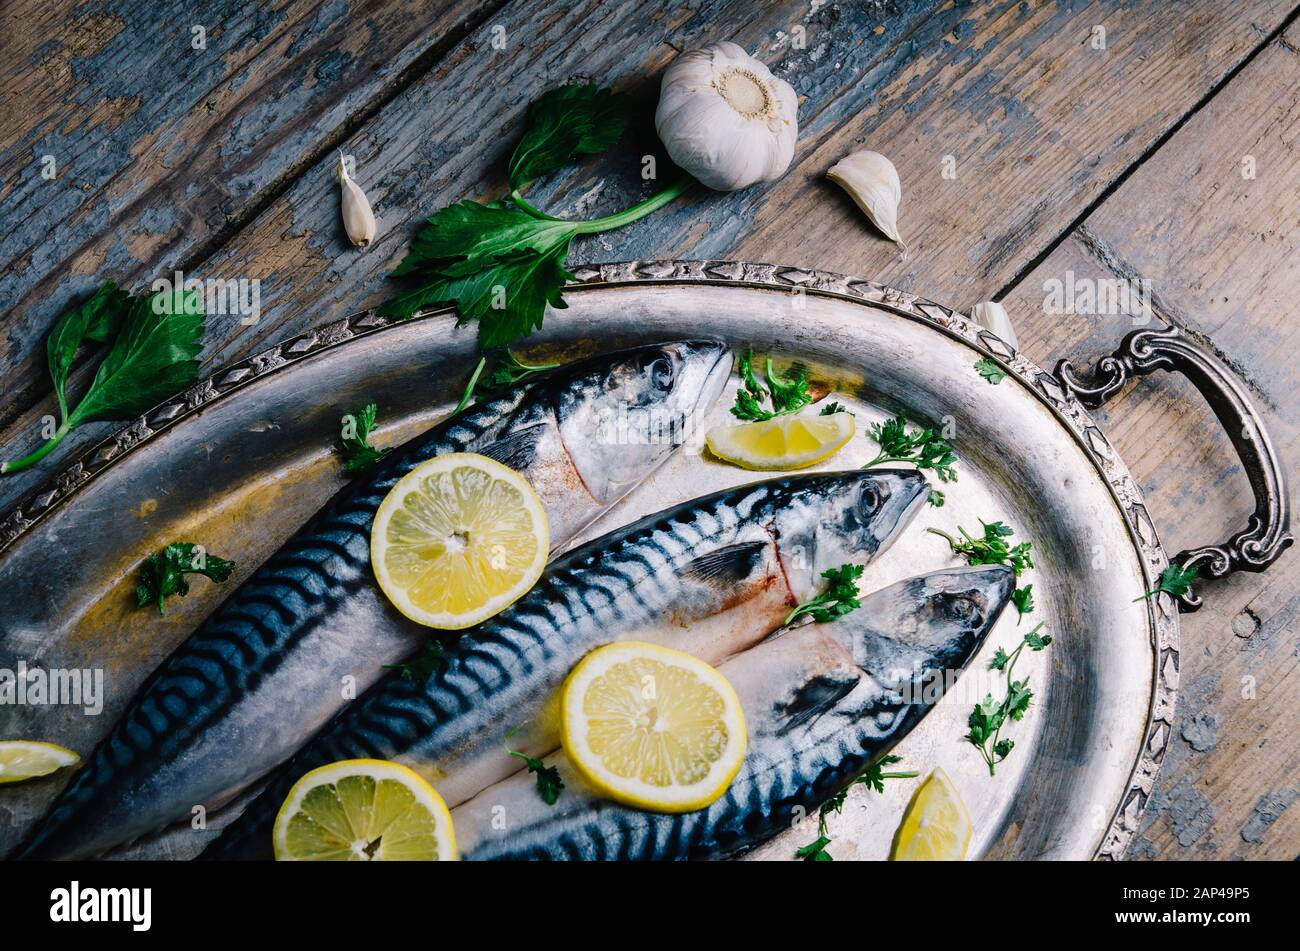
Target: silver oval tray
{"points": [[243, 458]]}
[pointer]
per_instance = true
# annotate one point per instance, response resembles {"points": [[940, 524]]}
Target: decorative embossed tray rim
{"points": [[1057, 397]]}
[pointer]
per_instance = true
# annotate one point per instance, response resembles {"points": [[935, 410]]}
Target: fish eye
{"points": [[661, 373], [870, 499], [966, 608]]}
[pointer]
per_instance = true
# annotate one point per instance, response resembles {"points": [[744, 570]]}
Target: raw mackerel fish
{"points": [[711, 577], [265, 671], [821, 702]]}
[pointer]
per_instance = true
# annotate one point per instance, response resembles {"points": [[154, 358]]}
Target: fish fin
{"points": [[518, 449], [724, 567], [813, 698]]}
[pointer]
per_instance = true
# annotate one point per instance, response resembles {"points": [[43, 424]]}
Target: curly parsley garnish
{"points": [[873, 778], [508, 371], [839, 598], [992, 549], [549, 783], [989, 369], [923, 448], [354, 440], [163, 574], [424, 664], [989, 716], [1174, 581], [786, 394]]}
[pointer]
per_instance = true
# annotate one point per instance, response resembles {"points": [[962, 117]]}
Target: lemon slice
{"points": [[786, 442], [26, 759], [364, 810], [936, 827], [651, 727], [458, 539]]}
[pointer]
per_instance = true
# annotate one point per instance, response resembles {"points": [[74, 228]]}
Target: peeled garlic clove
{"points": [[358, 219], [872, 182], [993, 316], [724, 118]]}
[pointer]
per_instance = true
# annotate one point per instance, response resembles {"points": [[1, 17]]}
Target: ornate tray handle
{"points": [[1268, 530]]}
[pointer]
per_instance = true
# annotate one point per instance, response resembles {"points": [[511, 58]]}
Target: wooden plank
{"points": [[1220, 252], [160, 148], [991, 85]]}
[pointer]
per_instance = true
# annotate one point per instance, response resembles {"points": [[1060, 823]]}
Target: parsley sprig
{"points": [[990, 370], [501, 263], [354, 439], [839, 598], [991, 549], [549, 783], [989, 716], [163, 574], [786, 394], [1174, 580], [924, 448], [508, 371], [874, 778], [1023, 599], [424, 664], [153, 343]]}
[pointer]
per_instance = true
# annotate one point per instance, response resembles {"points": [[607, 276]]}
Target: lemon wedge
{"points": [[785, 442], [652, 728], [457, 540], [27, 759], [936, 826], [363, 810]]}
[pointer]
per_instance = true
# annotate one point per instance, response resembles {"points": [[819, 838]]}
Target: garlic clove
{"points": [[993, 316], [872, 182], [724, 118], [358, 219]]}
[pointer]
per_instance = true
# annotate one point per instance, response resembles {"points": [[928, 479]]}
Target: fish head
{"points": [[930, 624], [621, 416], [836, 518]]}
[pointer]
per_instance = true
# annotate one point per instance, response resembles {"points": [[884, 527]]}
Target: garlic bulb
{"points": [[993, 316], [872, 182], [726, 119], [358, 219]]}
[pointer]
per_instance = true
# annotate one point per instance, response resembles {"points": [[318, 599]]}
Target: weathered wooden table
{"points": [[1036, 142]]}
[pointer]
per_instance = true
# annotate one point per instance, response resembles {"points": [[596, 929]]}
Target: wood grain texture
{"points": [[158, 147], [1220, 252]]}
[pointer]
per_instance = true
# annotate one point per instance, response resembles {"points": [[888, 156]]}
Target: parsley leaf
{"points": [[95, 319], [923, 448], [839, 598], [152, 356], [937, 498], [354, 440], [831, 408], [565, 122], [163, 574], [787, 394], [989, 716], [1174, 581], [992, 549], [874, 778], [549, 783], [509, 371], [989, 369], [1023, 599], [424, 665]]}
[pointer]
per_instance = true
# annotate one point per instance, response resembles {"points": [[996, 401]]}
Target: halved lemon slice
{"points": [[651, 727], [27, 759], [364, 810], [458, 539], [936, 826], [786, 442]]}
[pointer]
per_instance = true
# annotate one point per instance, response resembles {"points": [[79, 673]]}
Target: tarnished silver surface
{"points": [[241, 474]]}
